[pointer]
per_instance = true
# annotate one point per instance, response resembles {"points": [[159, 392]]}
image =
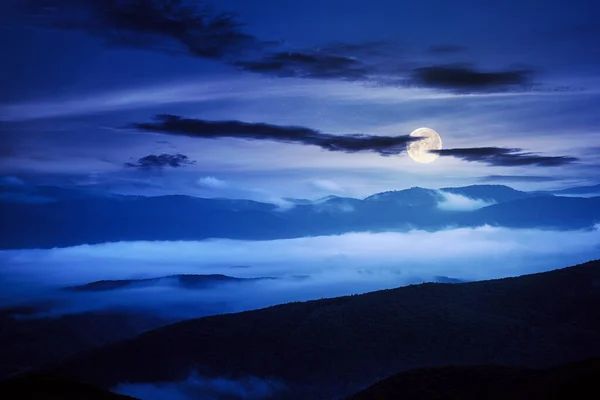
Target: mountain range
{"points": [[331, 348], [68, 217]]}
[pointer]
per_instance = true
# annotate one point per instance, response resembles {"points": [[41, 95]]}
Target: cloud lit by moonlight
{"points": [[419, 150]]}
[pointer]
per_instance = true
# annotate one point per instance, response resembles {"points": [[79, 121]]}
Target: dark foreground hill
{"points": [[29, 343], [569, 381], [43, 387], [491, 382], [334, 347]]}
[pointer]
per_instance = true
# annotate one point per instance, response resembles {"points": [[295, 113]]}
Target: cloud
{"points": [[327, 186], [198, 387], [518, 178], [333, 266], [175, 125], [308, 65], [456, 202], [507, 157], [212, 183], [171, 26], [362, 61], [373, 48], [465, 79], [161, 161], [194, 29], [383, 64]]}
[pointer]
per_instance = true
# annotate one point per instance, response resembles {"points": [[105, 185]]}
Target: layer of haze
{"points": [[305, 268]]}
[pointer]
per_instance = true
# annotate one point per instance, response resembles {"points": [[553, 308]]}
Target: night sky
{"points": [[263, 96]]}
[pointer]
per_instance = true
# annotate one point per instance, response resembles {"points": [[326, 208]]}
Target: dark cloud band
{"points": [[153, 161], [172, 26], [175, 125], [191, 28], [519, 178], [500, 156], [308, 65], [466, 79]]}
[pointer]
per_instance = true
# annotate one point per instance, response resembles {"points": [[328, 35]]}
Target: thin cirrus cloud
{"points": [[176, 125], [505, 157]]}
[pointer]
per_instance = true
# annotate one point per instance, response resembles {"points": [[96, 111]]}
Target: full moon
{"points": [[419, 150]]}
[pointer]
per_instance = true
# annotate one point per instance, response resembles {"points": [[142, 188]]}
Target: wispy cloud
{"points": [[465, 79], [154, 161], [176, 125], [245, 87], [507, 157], [306, 65], [326, 185], [456, 202], [519, 178], [194, 29], [382, 66], [212, 183], [174, 27]]}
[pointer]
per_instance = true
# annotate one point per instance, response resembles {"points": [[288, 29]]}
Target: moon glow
{"points": [[419, 150]]}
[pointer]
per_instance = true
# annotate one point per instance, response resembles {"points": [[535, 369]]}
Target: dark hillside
{"points": [[536, 320], [42, 387], [569, 381]]}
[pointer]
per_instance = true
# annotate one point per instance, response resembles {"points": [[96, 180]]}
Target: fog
{"points": [[305, 268], [456, 202], [198, 387]]}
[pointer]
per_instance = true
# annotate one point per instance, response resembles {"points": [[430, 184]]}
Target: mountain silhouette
{"points": [[39, 386], [75, 219], [28, 343], [186, 281], [569, 381], [579, 190]]}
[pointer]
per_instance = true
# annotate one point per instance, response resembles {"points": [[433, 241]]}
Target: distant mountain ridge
{"points": [[595, 189], [186, 281], [496, 193], [79, 217]]}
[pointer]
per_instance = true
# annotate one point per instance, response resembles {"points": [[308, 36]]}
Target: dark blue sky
{"points": [[491, 75]]}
